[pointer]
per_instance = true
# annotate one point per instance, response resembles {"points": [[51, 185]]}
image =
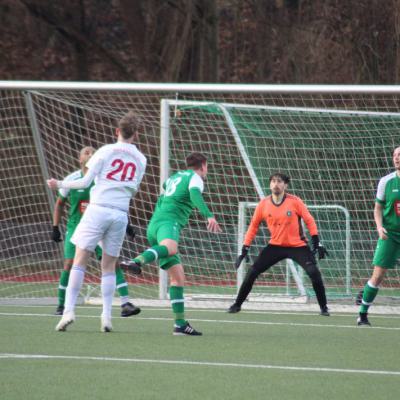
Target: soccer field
{"points": [[254, 355]]}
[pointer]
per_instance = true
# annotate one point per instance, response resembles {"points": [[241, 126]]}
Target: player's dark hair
{"points": [[279, 175], [129, 124], [395, 149], [195, 160]]}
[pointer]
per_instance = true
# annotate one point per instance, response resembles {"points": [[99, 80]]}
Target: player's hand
{"points": [[382, 233], [243, 255], [317, 248], [52, 183], [213, 226], [56, 234], [130, 231], [321, 251]]}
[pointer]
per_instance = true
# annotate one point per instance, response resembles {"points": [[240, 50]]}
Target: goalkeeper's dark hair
{"points": [[129, 124], [195, 160], [281, 176]]}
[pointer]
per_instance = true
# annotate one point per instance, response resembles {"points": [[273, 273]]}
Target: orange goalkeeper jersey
{"points": [[283, 221]]}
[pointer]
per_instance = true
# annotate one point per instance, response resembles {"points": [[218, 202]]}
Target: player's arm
{"points": [[81, 183], [57, 214], [306, 216], [317, 247], [250, 235], [94, 166], [196, 198], [378, 209], [255, 222], [378, 217]]}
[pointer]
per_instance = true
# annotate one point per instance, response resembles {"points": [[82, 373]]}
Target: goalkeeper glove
{"points": [[56, 234], [243, 254], [130, 231], [318, 248]]}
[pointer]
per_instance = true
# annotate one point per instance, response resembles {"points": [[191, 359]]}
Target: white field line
{"points": [[353, 326], [262, 312], [195, 363]]}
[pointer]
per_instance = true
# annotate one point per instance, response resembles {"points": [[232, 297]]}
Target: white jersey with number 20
{"points": [[118, 170]]}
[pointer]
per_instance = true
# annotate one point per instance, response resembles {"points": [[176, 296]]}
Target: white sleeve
{"points": [[196, 182], [95, 162], [63, 192], [81, 183], [380, 193]]}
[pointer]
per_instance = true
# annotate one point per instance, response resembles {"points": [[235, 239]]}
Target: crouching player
{"points": [[282, 213]]}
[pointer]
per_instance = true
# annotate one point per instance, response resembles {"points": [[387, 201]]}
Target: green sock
{"points": [[178, 304], [62, 286], [154, 253], [122, 286], [369, 295]]}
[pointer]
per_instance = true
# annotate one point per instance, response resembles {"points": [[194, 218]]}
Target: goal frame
{"points": [[170, 90]]}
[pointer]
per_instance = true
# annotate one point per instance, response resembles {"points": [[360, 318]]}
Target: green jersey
{"points": [[182, 192], [78, 200], [388, 195]]}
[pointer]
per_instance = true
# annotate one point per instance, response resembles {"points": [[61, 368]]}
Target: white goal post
{"points": [[335, 142]]}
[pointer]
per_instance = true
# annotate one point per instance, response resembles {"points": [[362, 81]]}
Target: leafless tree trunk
{"points": [[52, 14]]}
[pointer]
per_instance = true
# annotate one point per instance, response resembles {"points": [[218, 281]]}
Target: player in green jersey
{"points": [[78, 200], [182, 192], [387, 220]]}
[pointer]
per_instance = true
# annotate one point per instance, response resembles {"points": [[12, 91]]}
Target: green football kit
{"points": [[387, 251], [182, 193]]}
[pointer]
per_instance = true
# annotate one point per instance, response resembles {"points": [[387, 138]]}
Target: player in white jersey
{"points": [[117, 170]]}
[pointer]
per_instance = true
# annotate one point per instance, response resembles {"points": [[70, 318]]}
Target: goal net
{"points": [[334, 146]]}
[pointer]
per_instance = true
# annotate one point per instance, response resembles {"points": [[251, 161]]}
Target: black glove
{"points": [[243, 254], [130, 231], [56, 234], [317, 248]]}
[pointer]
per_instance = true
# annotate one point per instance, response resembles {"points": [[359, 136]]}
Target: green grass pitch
{"points": [[250, 355]]}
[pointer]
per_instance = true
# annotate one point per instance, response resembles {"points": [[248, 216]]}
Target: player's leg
{"points": [[108, 284], [369, 293], [305, 258], [157, 250], [86, 236], [62, 285], [268, 256], [69, 254], [177, 281], [75, 282], [127, 307], [385, 257], [114, 228]]}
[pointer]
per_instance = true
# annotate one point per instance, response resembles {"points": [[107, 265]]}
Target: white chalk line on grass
{"points": [[241, 322], [205, 310], [196, 363]]}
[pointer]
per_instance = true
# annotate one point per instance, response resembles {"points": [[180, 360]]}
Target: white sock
{"points": [[75, 281], [107, 290]]}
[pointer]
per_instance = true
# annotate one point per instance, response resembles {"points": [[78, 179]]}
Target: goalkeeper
{"points": [[282, 213], [182, 192], [78, 200]]}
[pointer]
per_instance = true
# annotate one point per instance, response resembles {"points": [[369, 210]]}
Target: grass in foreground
{"points": [[254, 355]]}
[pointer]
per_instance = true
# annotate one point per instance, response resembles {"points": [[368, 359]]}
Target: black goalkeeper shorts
{"points": [[270, 255]]}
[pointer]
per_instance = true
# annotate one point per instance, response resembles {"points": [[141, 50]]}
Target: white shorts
{"points": [[103, 224]]}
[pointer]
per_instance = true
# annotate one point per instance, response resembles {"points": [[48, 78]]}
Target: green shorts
{"points": [[159, 230], [386, 253], [69, 247]]}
